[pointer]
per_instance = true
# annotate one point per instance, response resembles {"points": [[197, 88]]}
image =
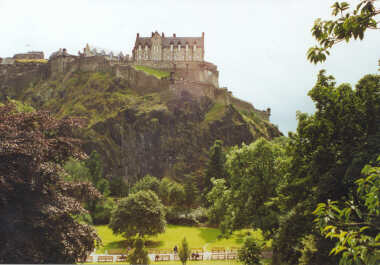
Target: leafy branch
{"points": [[348, 25]]}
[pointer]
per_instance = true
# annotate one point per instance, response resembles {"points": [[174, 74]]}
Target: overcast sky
{"points": [[259, 46]]}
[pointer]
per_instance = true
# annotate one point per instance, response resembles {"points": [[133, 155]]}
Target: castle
{"points": [[171, 49], [182, 57]]}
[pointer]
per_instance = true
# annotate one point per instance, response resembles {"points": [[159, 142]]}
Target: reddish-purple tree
{"points": [[38, 208]]}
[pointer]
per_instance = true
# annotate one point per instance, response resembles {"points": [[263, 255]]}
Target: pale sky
{"points": [[259, 46]]}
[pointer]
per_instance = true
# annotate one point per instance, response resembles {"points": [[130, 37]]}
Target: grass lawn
{"points": [[197, 237], [151, 71], [205, 262]]}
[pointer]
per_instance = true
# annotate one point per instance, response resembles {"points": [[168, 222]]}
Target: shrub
{"points": [[249, 254]]}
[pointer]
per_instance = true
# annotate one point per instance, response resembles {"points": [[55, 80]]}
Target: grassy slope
{"points": [[198, 237], [151, 71]]}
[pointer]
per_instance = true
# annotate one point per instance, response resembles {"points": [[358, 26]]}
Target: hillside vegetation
{"points": [[147, 130]]}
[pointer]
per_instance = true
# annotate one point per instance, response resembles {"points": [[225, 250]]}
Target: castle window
{"points": [[171, 47], [139, 47], [187, 47], [179, 47], [195, 47]]}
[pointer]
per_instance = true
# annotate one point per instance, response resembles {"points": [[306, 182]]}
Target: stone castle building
{"points": [[169, 49]]}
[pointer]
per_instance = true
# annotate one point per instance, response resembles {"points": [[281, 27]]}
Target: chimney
{"points": [[138, 35], [203, 35], [152, 33], [163, 35], [174, 35]]}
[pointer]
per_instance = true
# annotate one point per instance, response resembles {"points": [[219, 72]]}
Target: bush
{"points": [[102, 213], [249, 254]]}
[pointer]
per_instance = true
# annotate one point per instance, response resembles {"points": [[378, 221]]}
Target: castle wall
{"points": [[139, 80], [19, 76], [195, 89]]}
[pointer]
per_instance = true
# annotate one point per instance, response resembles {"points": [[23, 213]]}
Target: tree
{"points": [[254, 171], [177, 195], [327, 154], [164, 190], [139, 254], [184, 251], [215, 167], [250, 252], [355, 226], [118, 186], [191, 191], [139, 214], [218, 198], [349, 25], [38, 209], [95, 166], [147, 183]]}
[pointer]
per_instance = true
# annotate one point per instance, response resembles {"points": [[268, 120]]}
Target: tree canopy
{"points": [[38, 209], [138, 214]]}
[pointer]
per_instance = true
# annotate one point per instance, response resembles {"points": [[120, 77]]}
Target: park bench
{"points": [[218, 253], [90, 259], [105, 258], [121, 258], [196, 254], [232, 254]]}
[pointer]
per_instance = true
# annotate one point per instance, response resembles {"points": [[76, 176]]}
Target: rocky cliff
{"points": [[138, 124]]}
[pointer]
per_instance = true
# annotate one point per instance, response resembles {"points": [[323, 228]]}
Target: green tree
{"points": [[38, 208], [103, 210], [164, 190], [95, 166], [191, 191], [177, 195], [348, 25], [139, 254], [139, 214], [355, 226], [184, 251], [327, 154], [77, 170], [218, 198], [118, 186], [249, 253], [215, 166], [147, 183], [255, 171]]}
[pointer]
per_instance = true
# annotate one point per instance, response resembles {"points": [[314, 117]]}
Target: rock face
{"points": [[141, 125]]}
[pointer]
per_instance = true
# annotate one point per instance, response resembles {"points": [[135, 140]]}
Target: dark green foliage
{"points": [[139, 214], [191, 191], [101, 215], [249, 253], [118, 186], [349, 25], [139, 254], [184, 251], [95, 166], [177, 195], [147, 183], [356, 226], [215, 167], [328, 152]]}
